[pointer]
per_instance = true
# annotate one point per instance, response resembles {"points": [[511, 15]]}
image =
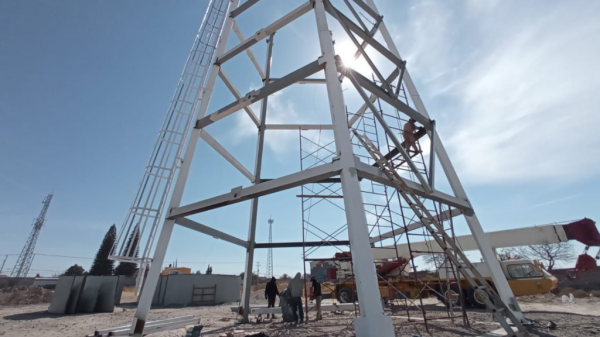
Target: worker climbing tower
{"points": [[354, 158], [23, 264]]}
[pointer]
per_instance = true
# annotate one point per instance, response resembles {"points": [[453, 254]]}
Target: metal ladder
{"points": [[146, 212], [493, 302]]}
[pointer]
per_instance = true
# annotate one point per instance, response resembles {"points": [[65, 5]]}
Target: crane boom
{"points": [[584, 231]]}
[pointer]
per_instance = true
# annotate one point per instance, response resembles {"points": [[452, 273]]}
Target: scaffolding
{"points": [[389, 219]]}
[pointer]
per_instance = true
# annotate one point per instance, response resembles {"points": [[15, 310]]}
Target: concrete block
{"points": [[119, 290], [74, 294], [60, 298], [89, 294], [105, 301]]}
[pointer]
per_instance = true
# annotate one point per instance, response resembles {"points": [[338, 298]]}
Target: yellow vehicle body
{"points": [[176, 271], [540, 282]]}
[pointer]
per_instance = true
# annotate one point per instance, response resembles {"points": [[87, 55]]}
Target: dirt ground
{"points": [[580, 318]]}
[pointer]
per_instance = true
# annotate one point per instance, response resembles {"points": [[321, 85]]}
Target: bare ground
{"points": [[581, 318]]}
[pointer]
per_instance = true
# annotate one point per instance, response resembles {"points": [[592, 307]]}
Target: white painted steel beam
{"points": [[225, 154], [243, 7], [238, 96], [393, 101], [242, 194], [240, 36], [267, 31], [305, 81], [198, 227], [374, 173], [445, 215], [367, 9], [536, 235], [484, 246], [364, 35], [299, 127], [260, 142], [372, 320], [259, 94], [372, 99], [150, 323], [360, 47]]}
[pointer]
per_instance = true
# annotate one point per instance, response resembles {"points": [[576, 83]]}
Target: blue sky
{"points": [[84, 87]]}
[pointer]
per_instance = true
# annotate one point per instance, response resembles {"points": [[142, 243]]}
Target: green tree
{"points": [[127, 268], [102, 266], [74, 270]]}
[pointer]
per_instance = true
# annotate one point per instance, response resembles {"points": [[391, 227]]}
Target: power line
{"points": [[65, 256]]}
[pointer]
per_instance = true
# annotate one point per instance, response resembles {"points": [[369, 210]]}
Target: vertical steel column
{"points": [[482, 241], [254, 207], [145, 300], [371, 321]]}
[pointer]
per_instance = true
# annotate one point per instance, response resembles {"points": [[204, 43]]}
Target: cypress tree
{"points": [[102, 266], [126, 268]]}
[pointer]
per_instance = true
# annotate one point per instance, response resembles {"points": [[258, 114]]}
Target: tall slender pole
{"points": [[372, 320], [257, 173]]}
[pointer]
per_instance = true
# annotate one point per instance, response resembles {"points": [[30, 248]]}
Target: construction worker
{"points": [[317, 296], [271, 293], [408, 132], [295, 288]]}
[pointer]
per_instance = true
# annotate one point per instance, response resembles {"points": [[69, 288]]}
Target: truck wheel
{"points": [[345, 295], [477, 298], [449, 296]]}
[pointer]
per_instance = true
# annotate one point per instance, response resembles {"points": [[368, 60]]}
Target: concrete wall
{"points": [[6, 282], [177, 289]]}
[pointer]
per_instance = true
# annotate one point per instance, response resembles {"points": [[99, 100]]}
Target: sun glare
{"points": [[346, 50]]}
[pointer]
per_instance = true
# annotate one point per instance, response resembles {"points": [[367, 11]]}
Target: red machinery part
{"points": [[584, 231], [390, 266]]}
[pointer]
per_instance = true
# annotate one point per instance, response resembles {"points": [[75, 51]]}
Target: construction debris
{"points": [[25, 295]]}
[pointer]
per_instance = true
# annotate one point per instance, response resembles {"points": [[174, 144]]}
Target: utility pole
{"points": [[257, 271], [270, 251], [23, 264]]}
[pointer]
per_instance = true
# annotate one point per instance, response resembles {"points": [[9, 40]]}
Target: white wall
{"points": [[177, 289]]}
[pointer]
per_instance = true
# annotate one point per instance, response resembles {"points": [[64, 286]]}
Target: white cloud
{"points": [[556, 200], [522, 87]]}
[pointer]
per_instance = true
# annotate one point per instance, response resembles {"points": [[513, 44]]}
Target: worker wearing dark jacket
{"points": [[317, 296], [271, 292]]}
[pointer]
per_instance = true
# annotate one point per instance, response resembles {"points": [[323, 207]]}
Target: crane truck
{"points": [[525, 276]]}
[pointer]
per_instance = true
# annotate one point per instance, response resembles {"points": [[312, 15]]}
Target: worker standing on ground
{"points": [[295, 287], [408, 133], [317, 295], [271, 293]]}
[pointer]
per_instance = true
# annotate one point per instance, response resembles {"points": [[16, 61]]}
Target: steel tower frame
{"points": [[344, 168], [25, 259]]}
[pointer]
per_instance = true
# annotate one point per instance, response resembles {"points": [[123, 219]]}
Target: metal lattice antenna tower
{"points": [[270, 251], [23, 264]]}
